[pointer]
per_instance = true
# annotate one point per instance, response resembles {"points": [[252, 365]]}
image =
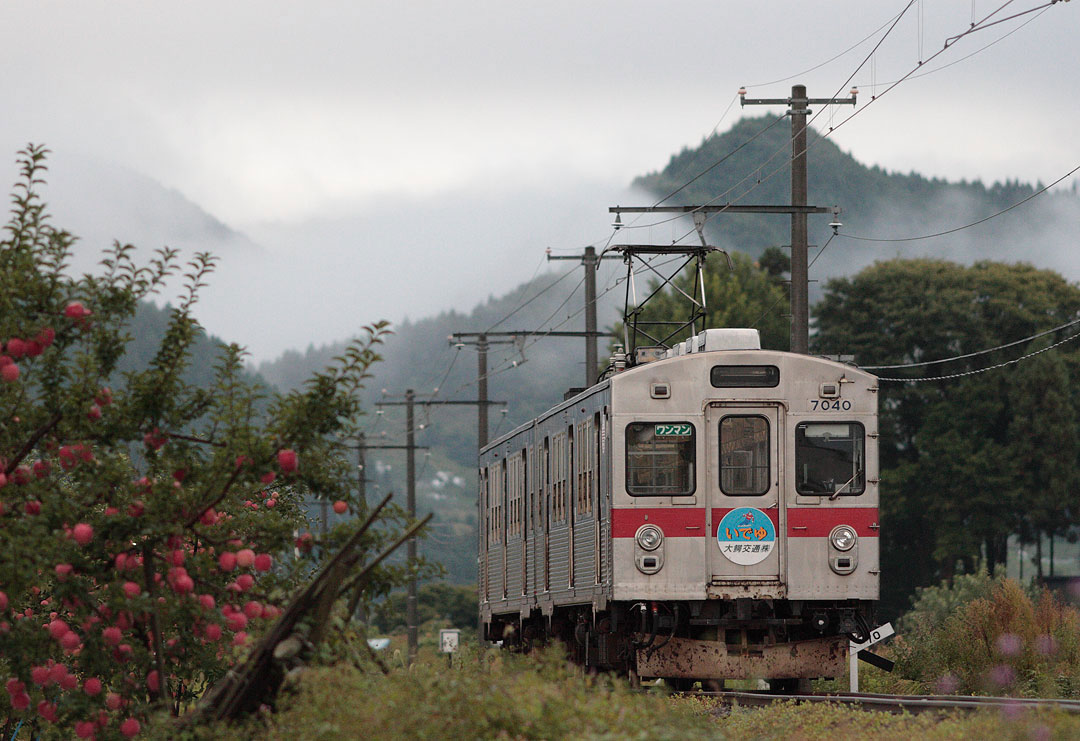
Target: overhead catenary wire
{"points": [[777, 301], [966, 57], [541, 333], [716, 164], [633, 224], [543, 291]]}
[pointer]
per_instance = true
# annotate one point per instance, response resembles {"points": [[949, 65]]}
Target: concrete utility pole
{"points": [[481, 391], [798, 110], [591, 261], [361, 447], [410, 472], [361, 467], [410, 447]]}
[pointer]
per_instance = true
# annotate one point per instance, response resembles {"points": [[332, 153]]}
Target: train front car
{"points": [[744, 516]]}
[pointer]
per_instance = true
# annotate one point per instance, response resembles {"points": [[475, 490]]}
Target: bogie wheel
{"points": [[789, 686], [679, 684]]}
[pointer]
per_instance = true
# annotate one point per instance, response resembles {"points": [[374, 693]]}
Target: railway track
{"points": [[894, 703]]}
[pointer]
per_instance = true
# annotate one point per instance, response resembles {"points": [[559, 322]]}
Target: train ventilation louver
{"points": [[714, 340]]}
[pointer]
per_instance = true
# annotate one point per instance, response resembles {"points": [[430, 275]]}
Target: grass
{"points": [[493, 695], [966, 635]]}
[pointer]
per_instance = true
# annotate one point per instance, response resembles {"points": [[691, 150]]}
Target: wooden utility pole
{"points": [[591, 261], [798, 110]]}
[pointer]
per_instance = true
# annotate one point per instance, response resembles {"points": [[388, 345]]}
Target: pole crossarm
{"points": [[727, 208], [524, 333], [808, 101], [662, 249], [435, 403]]}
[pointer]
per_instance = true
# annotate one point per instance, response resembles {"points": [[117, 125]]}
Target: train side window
{"points": [[744, 456], [830, 458], [660, 459]]}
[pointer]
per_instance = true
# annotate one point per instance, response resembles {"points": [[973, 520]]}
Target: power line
{"points": [[544, 290], [524, 290], [981, 370], [967, 226], [830, 60], [1006, 346], [541, 333], [714, 165]]}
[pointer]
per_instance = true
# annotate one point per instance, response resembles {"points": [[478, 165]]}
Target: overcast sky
{"points": [[275, 112]]}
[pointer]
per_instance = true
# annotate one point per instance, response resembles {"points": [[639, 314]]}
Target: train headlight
{"points": [[649, 537], [843, 537]]}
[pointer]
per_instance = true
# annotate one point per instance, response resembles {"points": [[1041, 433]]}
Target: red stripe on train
{"points": [[689, 522], [814, 522], [674, 522]]}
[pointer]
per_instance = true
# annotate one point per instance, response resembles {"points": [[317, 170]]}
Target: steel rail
{"points": [[892, 703]]}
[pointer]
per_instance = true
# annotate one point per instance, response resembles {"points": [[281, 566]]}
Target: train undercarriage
{"points": [[783, 641]]}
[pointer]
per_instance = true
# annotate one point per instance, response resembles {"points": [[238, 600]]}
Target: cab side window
{"points": [[830, 458], [660, 459]]}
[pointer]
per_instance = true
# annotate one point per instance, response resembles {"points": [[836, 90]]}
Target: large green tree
{"points": [[970, 459]]}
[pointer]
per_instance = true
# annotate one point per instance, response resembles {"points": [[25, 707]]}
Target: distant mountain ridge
{"points": [[130, 207], [875, 203]]}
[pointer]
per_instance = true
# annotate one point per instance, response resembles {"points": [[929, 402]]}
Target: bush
{"points": [[931, 606], [1004, 642], [450, 605]]}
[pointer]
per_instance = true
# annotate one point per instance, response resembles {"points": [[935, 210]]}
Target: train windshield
{"points": [[830, 458], [660, 459]]}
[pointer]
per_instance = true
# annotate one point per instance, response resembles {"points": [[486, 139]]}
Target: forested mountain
{"points": [[874, 204]]}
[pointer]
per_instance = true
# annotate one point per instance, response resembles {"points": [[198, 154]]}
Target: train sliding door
{"points": [[745, 459]]}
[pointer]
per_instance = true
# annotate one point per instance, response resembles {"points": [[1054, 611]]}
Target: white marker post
{"points": [[877, 635], [449, 638]]}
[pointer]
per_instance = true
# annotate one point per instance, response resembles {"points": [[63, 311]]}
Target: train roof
{"points": [[715, 343]]}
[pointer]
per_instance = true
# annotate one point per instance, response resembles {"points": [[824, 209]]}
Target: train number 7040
{"points": [[836, 405]]}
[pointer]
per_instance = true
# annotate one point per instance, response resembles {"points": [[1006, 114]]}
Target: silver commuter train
{"points": [[710, 515]]}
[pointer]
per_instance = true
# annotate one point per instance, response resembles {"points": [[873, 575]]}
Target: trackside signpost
{"points": [[449, 640], [858, 651]]}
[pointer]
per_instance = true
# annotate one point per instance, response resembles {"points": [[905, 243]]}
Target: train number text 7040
{"points": [[836, 405]]}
